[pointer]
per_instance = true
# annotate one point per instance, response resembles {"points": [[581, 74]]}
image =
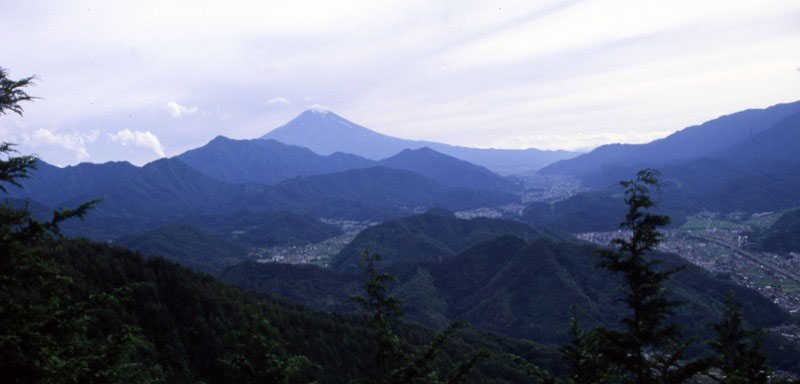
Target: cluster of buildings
{"points": [[312, 253], [721, 251]]}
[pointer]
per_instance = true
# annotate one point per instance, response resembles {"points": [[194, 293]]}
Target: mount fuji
{"points": [[325, 133]]}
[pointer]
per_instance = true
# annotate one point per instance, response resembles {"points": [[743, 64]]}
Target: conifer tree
{"points": [[255, 358], [584, 356], [12, 92], [738, 351], [395, 365], [648, 349], [43, 329]]}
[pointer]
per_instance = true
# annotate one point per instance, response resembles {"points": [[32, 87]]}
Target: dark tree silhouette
{"points": [[584, 356], [648, 349], [738, 351], [396, 366], [12, 92]]}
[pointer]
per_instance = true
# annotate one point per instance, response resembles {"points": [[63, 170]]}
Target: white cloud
{"points": [[73, 141], [278, 100], [177, 111], [576, 141], [139, 138]]}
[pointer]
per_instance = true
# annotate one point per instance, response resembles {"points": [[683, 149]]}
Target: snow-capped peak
{"points": [[316, 108]]}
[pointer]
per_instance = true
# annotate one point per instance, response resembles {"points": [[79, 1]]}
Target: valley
{"points": [[723, 248], [317, 253]]}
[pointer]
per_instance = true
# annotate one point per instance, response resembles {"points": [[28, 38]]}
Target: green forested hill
{"points": [[520, 288], [424, 238], [264, 229], [783, 236], [188, 246], [186, 322]]}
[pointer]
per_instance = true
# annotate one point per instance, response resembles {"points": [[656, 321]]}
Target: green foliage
{"points": [[648, 349], [254, 359], [395, 366], [738, 351], [187, 246], [584, 355], [384, 312], [44, 328], [12, 93], [13, 168]]}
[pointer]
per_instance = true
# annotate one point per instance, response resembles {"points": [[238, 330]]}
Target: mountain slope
{"points": [[184, 322], [428, 237], [264, 161], [161, 190], [703, 140], [377, 190], [51, 185], [783, 236], [448, 170], [781, 142], [519, 288], [324, 132], [187, 246], [264, 229], [167, 190]]}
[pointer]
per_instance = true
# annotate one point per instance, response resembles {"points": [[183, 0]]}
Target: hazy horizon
{"points": [[139, 82]]}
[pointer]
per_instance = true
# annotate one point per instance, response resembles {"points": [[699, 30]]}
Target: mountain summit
{"points": [[325, 132]]}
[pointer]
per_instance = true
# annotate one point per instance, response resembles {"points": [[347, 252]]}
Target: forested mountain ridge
{"points": [[187, 246], [264, 229], [749, 163], [167, 190], [521, 288], [51, 185], [428, 237], [187, 320], [781, 237], [269, 162]]}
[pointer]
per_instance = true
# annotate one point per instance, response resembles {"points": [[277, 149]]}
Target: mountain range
{"points": [[264, 161], [325, 132], [745, 162], [269, 162], [724, 137], [261, 176]]}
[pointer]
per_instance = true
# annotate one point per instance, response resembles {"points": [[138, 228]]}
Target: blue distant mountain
{"points": [[264, 161], [325, 132], [167, 190], [709, 139], [269, 162], [448, 170], [745, 162]]}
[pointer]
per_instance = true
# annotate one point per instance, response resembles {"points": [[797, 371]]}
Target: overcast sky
{"points": [[137, 80]]}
